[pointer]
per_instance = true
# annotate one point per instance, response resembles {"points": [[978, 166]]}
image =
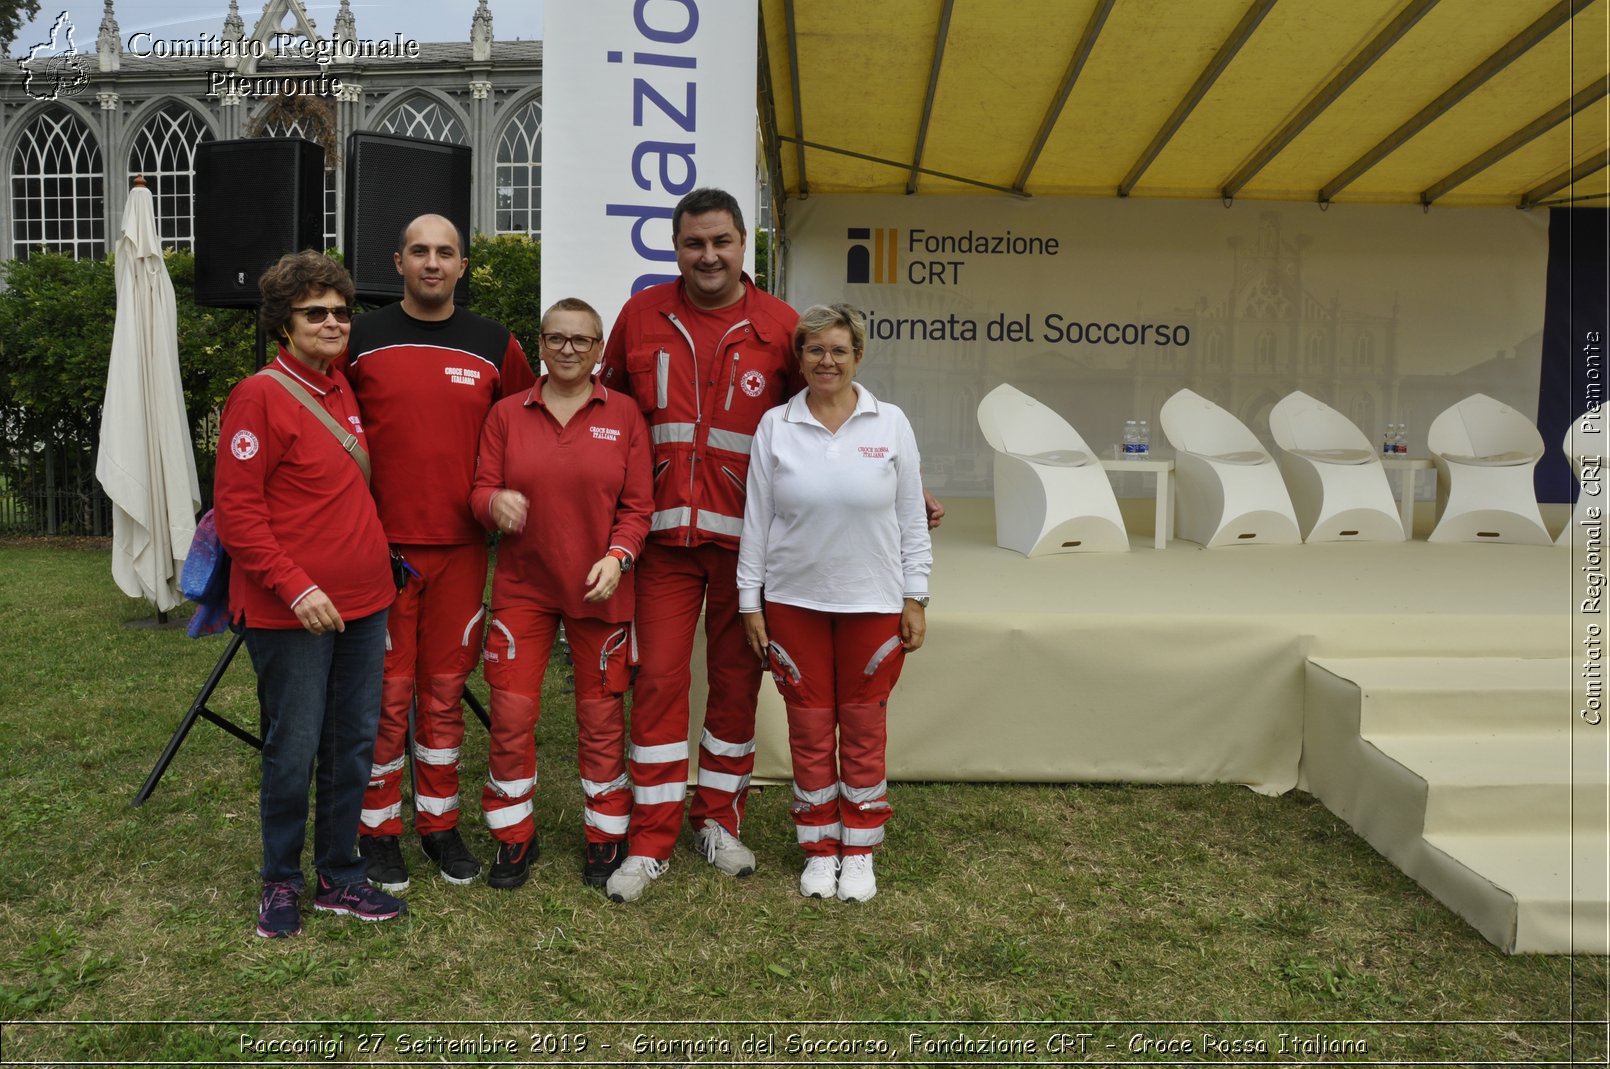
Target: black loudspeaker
{"points": [[390, 181], [256, 200]]}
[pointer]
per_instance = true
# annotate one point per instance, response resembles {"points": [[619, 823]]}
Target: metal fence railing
{"points": [[51, 490]]}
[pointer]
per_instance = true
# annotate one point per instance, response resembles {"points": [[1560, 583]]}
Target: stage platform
{"points": [[1423, 692], [1179, 665]]}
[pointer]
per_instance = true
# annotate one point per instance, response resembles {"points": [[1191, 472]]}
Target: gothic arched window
{"points": [[519, 174], [1264, 352], [1316, 354], [165, 153], [966, 420], [58, 199], [1364, 351], [422, 117], [1363, 412]]}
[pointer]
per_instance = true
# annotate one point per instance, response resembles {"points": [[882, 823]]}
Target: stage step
{"points": [[1505, 783], [1425, 695], [1558, 878], [1475, 776]]}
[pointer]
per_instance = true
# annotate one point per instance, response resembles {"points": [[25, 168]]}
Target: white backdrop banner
{"points": [[1102, 309], [643, 102]]}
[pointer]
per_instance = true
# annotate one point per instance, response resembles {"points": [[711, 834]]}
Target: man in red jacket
{"points": [[704, 357], [426, 373]]}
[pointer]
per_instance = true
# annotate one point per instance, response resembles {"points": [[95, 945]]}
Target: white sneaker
{"points": [[856, 881], [636, 872], [723, 850], [821, 876]]}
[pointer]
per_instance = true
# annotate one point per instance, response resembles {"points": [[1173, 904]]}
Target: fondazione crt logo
{"points": [[919, 256], [873, 256], [54, 68]]}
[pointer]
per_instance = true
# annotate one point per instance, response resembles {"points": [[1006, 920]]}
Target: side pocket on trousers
{"points": [[497, 653], [613, 661], [783, 669], [881, 655]]}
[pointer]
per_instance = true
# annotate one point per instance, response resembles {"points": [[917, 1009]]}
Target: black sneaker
{"points": [[447, 849], [513, 863], [602, 861], [383, 853]]}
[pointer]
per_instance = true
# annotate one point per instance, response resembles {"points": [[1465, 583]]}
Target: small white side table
{"points": [[1164, 522], [1411, 467]]}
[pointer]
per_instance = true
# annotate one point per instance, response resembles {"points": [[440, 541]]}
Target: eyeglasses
{"points": [[316, 313], [580, 343], [839, 353]]}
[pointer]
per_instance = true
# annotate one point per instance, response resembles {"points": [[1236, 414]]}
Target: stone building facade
{"points": [[77, 125]]}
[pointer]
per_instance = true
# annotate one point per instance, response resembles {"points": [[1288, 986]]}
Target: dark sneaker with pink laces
{"points": [[279, 912], [361, 900]]}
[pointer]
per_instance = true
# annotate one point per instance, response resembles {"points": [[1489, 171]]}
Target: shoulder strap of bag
{"points": [[348, 440]]}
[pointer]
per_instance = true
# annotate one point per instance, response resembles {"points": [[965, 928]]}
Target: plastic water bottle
{"points": [[1400, 444], [1389, 440], [1143, 440], [1131, 439]]}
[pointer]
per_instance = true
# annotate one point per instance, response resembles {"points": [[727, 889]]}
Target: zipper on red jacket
{"points": [[698, 416], [722, 344], [698, 410], [732, 379], [698, 403]]}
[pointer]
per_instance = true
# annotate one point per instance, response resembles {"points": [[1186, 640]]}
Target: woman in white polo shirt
{"points": [[833, 586]]}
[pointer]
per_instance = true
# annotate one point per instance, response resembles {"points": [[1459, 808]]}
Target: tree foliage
{"points": [[762, 239], [506, 284], [56, 320], [14, 15]]}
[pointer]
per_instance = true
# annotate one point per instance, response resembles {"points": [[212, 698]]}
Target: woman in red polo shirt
{"points": [[564, 474], [311, 582]]}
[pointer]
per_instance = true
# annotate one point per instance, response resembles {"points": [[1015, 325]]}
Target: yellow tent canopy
{"points": [[1457, 102]]}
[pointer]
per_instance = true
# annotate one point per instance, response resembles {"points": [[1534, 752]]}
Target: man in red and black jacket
{"points": [[426, 373]]}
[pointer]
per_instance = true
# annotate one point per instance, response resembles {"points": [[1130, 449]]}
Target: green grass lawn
{"points": [[1029, 913]]}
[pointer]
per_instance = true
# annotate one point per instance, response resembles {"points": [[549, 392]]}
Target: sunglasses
{"points": [[316, 313]]}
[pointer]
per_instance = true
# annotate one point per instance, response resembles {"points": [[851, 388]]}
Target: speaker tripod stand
{"points": [[199, 710]]}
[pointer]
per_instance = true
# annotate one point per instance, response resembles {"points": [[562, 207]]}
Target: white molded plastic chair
{"points": [[1585, 439], [1485, 452], [1338, 486], [1229, 491], [1051, 493]]}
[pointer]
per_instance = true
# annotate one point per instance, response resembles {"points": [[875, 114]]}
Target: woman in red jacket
{"points": [[564, 474], [311, 582]]}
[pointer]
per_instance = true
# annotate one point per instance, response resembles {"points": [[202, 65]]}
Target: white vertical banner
{"points": [[644, 101]]}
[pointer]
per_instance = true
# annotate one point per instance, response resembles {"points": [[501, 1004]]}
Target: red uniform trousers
{"points": [[433, 639], [835, 672], [672, 582], [519, 641]]}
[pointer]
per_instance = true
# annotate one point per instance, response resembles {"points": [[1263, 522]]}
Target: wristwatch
{"points": [[923, 601], [621, 555]]}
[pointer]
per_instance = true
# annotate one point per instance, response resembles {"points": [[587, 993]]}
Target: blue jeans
{"points": [[320, 697]]}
